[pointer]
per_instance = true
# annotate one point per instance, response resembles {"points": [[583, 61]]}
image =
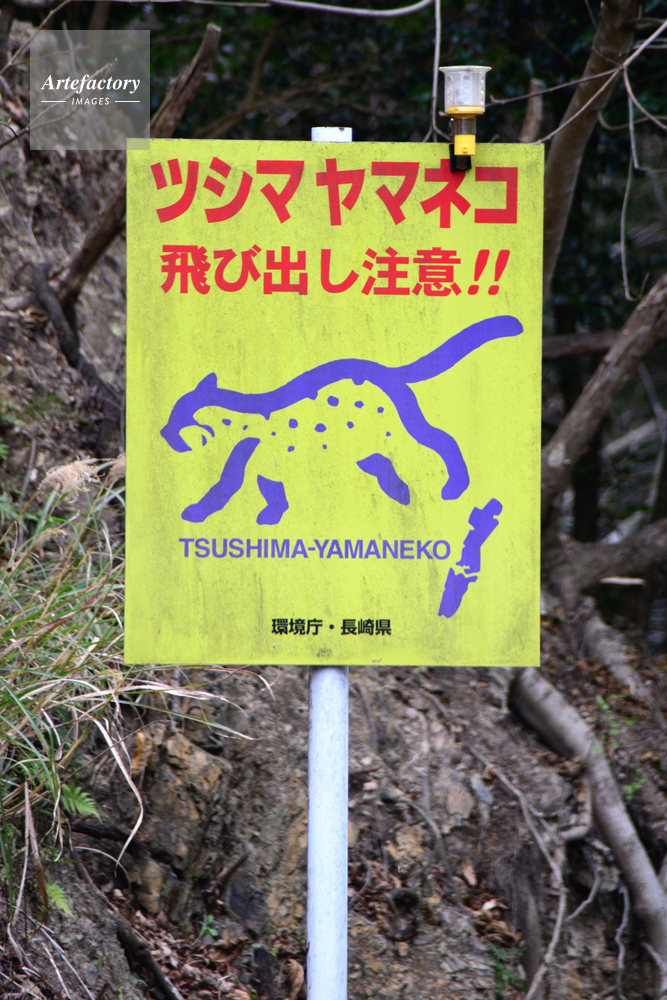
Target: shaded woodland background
{"points": [[508, 832]]}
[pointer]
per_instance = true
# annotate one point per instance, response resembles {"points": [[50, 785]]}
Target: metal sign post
{"points": [[327, 834], [327, 805]]}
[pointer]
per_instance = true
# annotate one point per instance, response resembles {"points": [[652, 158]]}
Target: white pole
{"points": [[327, 805], [327, 834]]}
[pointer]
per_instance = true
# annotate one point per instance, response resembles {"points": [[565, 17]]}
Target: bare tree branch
{"points": [[34, 4], [572, 437], [498, 102], [612, 42], [109, 222], [326, 8], [19, 52], [258, 102], [140, 950], [78, 265], [183, 90], [252, 98], [576, 346], [640, 107]]}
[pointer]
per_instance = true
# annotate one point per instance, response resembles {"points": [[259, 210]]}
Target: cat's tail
{"points": [[458, 346]]}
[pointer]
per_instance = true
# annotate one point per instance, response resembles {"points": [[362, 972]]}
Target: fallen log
{"points": [[590, 562]]}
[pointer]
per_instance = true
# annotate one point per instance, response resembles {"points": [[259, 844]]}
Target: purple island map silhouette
{"points": [[395, 384]]}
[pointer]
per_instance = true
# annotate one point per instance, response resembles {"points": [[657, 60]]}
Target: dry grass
{"points": [[62, 675]]}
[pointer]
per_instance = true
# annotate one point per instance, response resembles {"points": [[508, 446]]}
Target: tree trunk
{"points": [[611, 44], [577, 429]]}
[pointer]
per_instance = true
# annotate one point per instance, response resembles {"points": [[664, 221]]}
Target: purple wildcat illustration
{"points": [[395, 384]]}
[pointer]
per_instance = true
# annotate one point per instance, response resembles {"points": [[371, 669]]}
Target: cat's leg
{"points": [[273, 492], [230, 482], [388, 480]]}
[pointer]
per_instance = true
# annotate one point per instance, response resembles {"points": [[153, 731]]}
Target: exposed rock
{"points": [[82, 951]]}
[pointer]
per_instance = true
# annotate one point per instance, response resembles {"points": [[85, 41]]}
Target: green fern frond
{"points": [[7, 510], [74, 800], [58, 898]]}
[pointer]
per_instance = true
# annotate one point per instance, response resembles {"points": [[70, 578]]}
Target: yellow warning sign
{"points": [[333, 429]]}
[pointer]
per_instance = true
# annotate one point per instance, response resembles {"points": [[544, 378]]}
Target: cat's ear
{"points": [[210, 382]]}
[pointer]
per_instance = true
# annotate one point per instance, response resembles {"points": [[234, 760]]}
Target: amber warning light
{"points": [[465, 99]]}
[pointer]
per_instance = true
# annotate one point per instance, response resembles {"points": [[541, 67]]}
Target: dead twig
{"points": [[140, 950], [50, 958], [61, 951], [108, 224], [618, 938], [18, 950], [19, 52], [221, 880], [576, 346], [662, 969], [526, 807], [434, 701], [589, 898], [185, 87], [558, 927], [360, 892]]}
